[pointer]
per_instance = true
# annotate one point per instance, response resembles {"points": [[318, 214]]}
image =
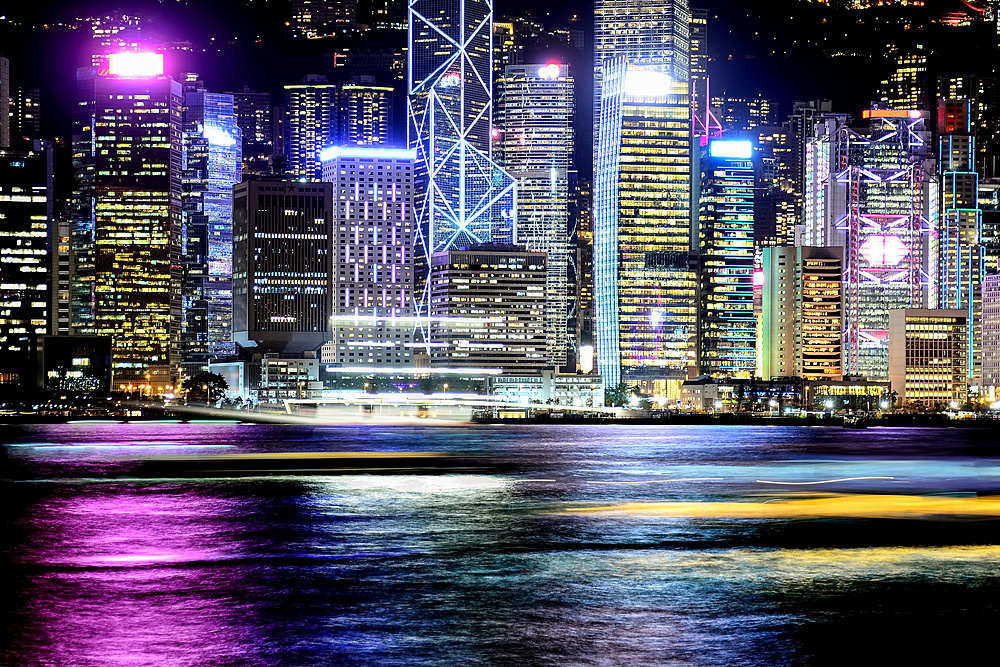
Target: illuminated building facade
{"points": [[960, 252], [211, 163], [114, 32], [372, 317], [927, 356], [726, 323], [584, 273], [27, 245], [698, 60], [4, 103], [282, 264], [873, 194], [136, 161], [463, 196], [535, 122], [774, 197], [313, 111], [644, 287], [488, 308], [654, 34], [742, 115], [802, 320], [313, 19], [908, 86], [253, 117], [365, 115], [991, 334], [505, 49]]}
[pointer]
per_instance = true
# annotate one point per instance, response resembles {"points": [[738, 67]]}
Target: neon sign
{"points": [[451, 80], [134, 65], [882, 250]]}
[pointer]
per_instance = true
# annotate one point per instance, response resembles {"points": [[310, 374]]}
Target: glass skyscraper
{"points": [[463, 197], [726, 322], [644, 287], [535, 145], [211, 165]]}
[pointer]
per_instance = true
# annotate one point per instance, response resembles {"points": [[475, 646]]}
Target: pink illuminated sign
{"points": [[135, 64], [882, 250]]}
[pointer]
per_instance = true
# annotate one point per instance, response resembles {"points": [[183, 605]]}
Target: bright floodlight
{"points": [[549, 71], [333, 152], [731, 148], [883, 250], [646, 83], [131, 64]]}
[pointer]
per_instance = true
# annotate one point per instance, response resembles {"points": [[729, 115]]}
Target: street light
{"points": [[954, 405], [829, 404]]}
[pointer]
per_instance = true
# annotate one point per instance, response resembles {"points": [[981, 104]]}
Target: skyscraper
{"points": [[726, 322], [313, 110], [372, 313], [535, 122], [282, 278], [872, 194], [365, 114], [644, 287], [960, 250], [211, 166], [27, 248], [136, 186], [463, 196], [253, 116], [652, 33]]}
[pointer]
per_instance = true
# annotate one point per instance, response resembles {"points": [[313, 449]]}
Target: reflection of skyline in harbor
{"points": [[497, 568]]}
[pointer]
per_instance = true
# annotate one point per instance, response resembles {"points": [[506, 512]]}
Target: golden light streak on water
{"points": [[839, 506]]}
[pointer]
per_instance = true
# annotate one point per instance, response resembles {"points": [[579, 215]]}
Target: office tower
{"points": [[253, 117], [644, 287], [463, 196], [282, 264], [365, 114], [873, 193], [320, 18], [991, 334], [698, 38], [741, 115], [382, 14], [584, 272], [983, 95], [774, 197], [4, 103], [136, 213], [488, 308], [505, 49], [989, 205], [372, 317], [726, 324], [799, 126], [313, 110], [27, 244], [654, 34], [960, 251], [211, 166], [801, 313], [25, 113], [535, 122], [908, 85], [927, 356]]}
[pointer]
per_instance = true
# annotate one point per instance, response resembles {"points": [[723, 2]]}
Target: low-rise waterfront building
{"points": [[928, 356]]}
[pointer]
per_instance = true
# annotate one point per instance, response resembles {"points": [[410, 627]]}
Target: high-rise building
{"points": [[584, 271], [959, 247], [372, 317], [488, 308], [927, 356], [742, 115], [644, 288], [114, 32], [801, 324], [874, 194], [991, 334], [698, 39], [535, 122], [726, 323], [282, 264], [506, 51], [211, 167], [313, 19], [908, 86], [27, 245], [654, 34], [253, 117], [25, 113], [313, 110], [463, 196], [382, 14], [135, 182], [775, 194], [365, 115], [983, 94]]}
